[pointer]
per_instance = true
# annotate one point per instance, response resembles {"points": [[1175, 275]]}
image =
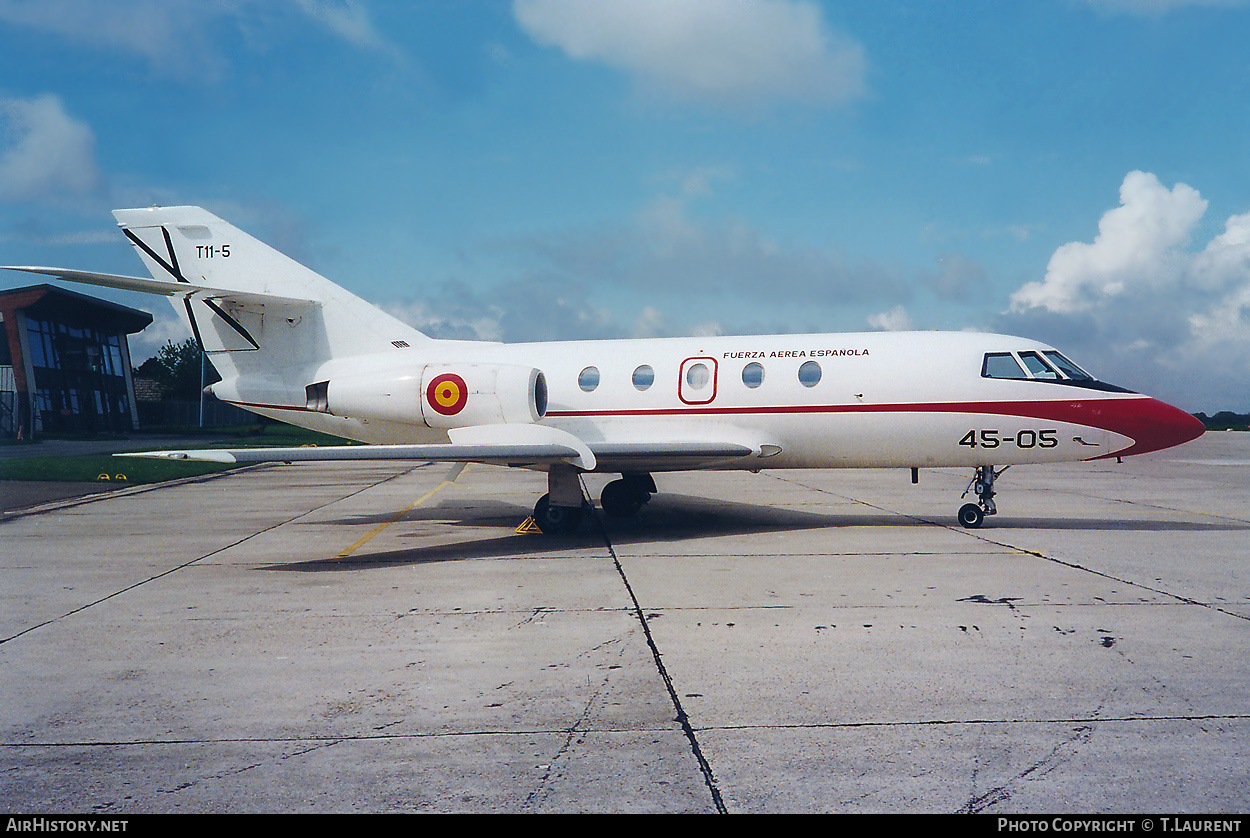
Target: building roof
{"points": [[74, 308]]}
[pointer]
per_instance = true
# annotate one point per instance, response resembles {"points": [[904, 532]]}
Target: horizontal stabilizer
{"points": [[181, 290]]}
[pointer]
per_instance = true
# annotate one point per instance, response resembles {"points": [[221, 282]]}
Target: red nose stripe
{"points": [[1151, 424]]}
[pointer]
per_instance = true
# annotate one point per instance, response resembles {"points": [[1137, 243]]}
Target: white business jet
{"points": [[291, 345]]}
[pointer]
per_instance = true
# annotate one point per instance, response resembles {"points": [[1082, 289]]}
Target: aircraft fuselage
{"points": [[291, 345], [876, 399]]}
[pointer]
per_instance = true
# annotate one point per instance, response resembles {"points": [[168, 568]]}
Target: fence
{"points": [[186, 413]]}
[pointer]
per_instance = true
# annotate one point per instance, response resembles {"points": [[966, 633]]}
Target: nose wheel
{"points": [[972, 515]]}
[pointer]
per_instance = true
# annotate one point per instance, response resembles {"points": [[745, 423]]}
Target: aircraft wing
{"points": [[510, 455], [674, 455], [508, 445], [168, 289]]}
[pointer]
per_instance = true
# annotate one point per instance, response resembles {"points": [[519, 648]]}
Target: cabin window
{"points": [[644, 377], [753, 375], [809, 374], [1066, 367], [1001, 365], [588, 380], [1036, 366], [697, 376]]}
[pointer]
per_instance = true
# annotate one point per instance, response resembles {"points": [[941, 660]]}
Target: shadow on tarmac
{"points": [[668, 518]]}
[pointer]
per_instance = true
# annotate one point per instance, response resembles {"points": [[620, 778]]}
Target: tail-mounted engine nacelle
{"points": [[438, 395]]}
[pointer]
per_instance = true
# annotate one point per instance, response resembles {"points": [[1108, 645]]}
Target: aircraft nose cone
{"points": [[1154, 425]]}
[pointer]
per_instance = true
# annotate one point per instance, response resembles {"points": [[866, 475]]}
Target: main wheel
{"points": [[971, 516], [553, 520], [623, 498]]}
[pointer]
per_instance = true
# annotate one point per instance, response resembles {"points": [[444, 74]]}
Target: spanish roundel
{"points": [[447, 394]]}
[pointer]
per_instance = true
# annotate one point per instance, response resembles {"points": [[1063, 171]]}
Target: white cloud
{"points": [[1223, 268], [171, 35], [894, 320], [721, 51], [187, 38], [45, 154], [651, 323], [351, 22], [1226, 324], [456, 323], [167, 326], [1157, 7], [958, 279], [1138, 243], [674, 250], [1144, 307]]}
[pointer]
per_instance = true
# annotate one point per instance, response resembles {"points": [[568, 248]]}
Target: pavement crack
{"points": [[186, 564], [709, 779], [1102, 573], [1080, 736], [575, 735]]}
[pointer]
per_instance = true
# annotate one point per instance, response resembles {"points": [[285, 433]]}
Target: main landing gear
{"points": [[562, 508], [972, 515], [623, 498], [557, 519]]}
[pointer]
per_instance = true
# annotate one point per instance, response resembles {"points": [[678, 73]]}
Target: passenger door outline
{"points": [[697, 395]]}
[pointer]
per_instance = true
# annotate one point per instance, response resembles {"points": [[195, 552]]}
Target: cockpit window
{"points": [[1066, 367], [1001, 365], [1046, 365], [1038, 367]]}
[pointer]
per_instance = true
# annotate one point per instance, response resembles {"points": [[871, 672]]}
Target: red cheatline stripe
{"points": [[1077, 412], [264, 406], [1150, 423], [1060, 411]]}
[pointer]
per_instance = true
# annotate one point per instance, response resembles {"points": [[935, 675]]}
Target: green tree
{"points": [[177, 365]]}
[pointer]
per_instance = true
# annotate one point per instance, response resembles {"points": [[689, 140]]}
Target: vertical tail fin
{"points": [[245, 333]]}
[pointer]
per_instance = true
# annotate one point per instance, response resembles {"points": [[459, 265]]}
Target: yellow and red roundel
{"points": [[447, 394]]}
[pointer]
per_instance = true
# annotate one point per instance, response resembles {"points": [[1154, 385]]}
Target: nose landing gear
{"points": [[972, 515]]}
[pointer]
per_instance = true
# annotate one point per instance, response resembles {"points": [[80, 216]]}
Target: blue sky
{"points": [[1076, 171]]}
